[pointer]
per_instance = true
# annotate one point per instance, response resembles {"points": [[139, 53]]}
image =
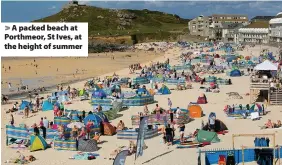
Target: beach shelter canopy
{"points": [[108, 129], [206, 136], [266, 65], [37, 143], [87, 145], [47, 105], [93, 117], [24, 104], [195, 111]]}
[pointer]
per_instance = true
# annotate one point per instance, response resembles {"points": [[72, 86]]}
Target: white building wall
{"points": [[254, 35], [276, 30]]}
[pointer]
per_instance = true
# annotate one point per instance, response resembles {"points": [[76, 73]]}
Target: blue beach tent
{"points": [[47, 105], [24, 104], [235, 73]]}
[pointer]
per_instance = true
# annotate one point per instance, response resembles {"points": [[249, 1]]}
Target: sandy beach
{"points": [[52, 71], [157, 153]]}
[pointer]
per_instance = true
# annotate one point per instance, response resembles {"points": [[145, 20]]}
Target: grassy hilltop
{"points": [[144, 24]]}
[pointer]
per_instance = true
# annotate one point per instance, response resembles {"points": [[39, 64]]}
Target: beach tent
{"points": [[108, 129], [37, 143], [266, 65], [24, 104], [87, 145], [219, 126], [47, 105], [195, 111], [235, 73], [93, 117], [202, 99], [100, 93], [164, 90], [206, 136]]}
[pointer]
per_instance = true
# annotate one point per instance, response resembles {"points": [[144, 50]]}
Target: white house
{"points": [[257, 32], [275, 26]]}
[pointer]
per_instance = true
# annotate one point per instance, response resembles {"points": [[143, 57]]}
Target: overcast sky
{"points": [[24, 11]]}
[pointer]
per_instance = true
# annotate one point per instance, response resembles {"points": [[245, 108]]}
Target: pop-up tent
{"points": [[219, 126], [37, 143], [195, 111], [47, 105], [164, 90], [206, 136], [93, 117], [235, 73]]}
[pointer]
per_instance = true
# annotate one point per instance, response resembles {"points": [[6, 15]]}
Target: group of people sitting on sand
{"points": [[270, 124]]}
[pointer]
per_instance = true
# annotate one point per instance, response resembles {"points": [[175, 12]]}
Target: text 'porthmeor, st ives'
{"points": [[45, 39]]}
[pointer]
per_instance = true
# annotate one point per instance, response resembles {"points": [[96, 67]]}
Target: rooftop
{"points": [[258, 24], [228, 25], [228, 15]]}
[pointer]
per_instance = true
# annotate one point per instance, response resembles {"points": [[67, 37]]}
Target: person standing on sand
{"points": [[41, 125], [12, 121], [26, 111], [169, 103], [10, 86], [37, 104], [45, 122]]}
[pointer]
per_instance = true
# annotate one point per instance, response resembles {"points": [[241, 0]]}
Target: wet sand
{"points": [[53, 71]]}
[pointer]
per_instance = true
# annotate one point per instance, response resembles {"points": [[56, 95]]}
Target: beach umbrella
{"points": [[77, 124]]}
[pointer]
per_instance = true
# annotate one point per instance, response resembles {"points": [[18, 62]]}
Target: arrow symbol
{"points": [[7, 27]]}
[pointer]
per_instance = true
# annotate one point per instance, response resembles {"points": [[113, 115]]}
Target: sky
{"points": [[26, 11]]}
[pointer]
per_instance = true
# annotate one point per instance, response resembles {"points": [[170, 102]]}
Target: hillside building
{"points": [[199, 26]]}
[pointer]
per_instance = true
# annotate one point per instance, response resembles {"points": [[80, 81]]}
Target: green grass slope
{"points": [[109, 22]]}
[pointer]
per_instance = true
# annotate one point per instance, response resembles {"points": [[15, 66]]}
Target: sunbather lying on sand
{"points": [[270, 124], [21, 159]]}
